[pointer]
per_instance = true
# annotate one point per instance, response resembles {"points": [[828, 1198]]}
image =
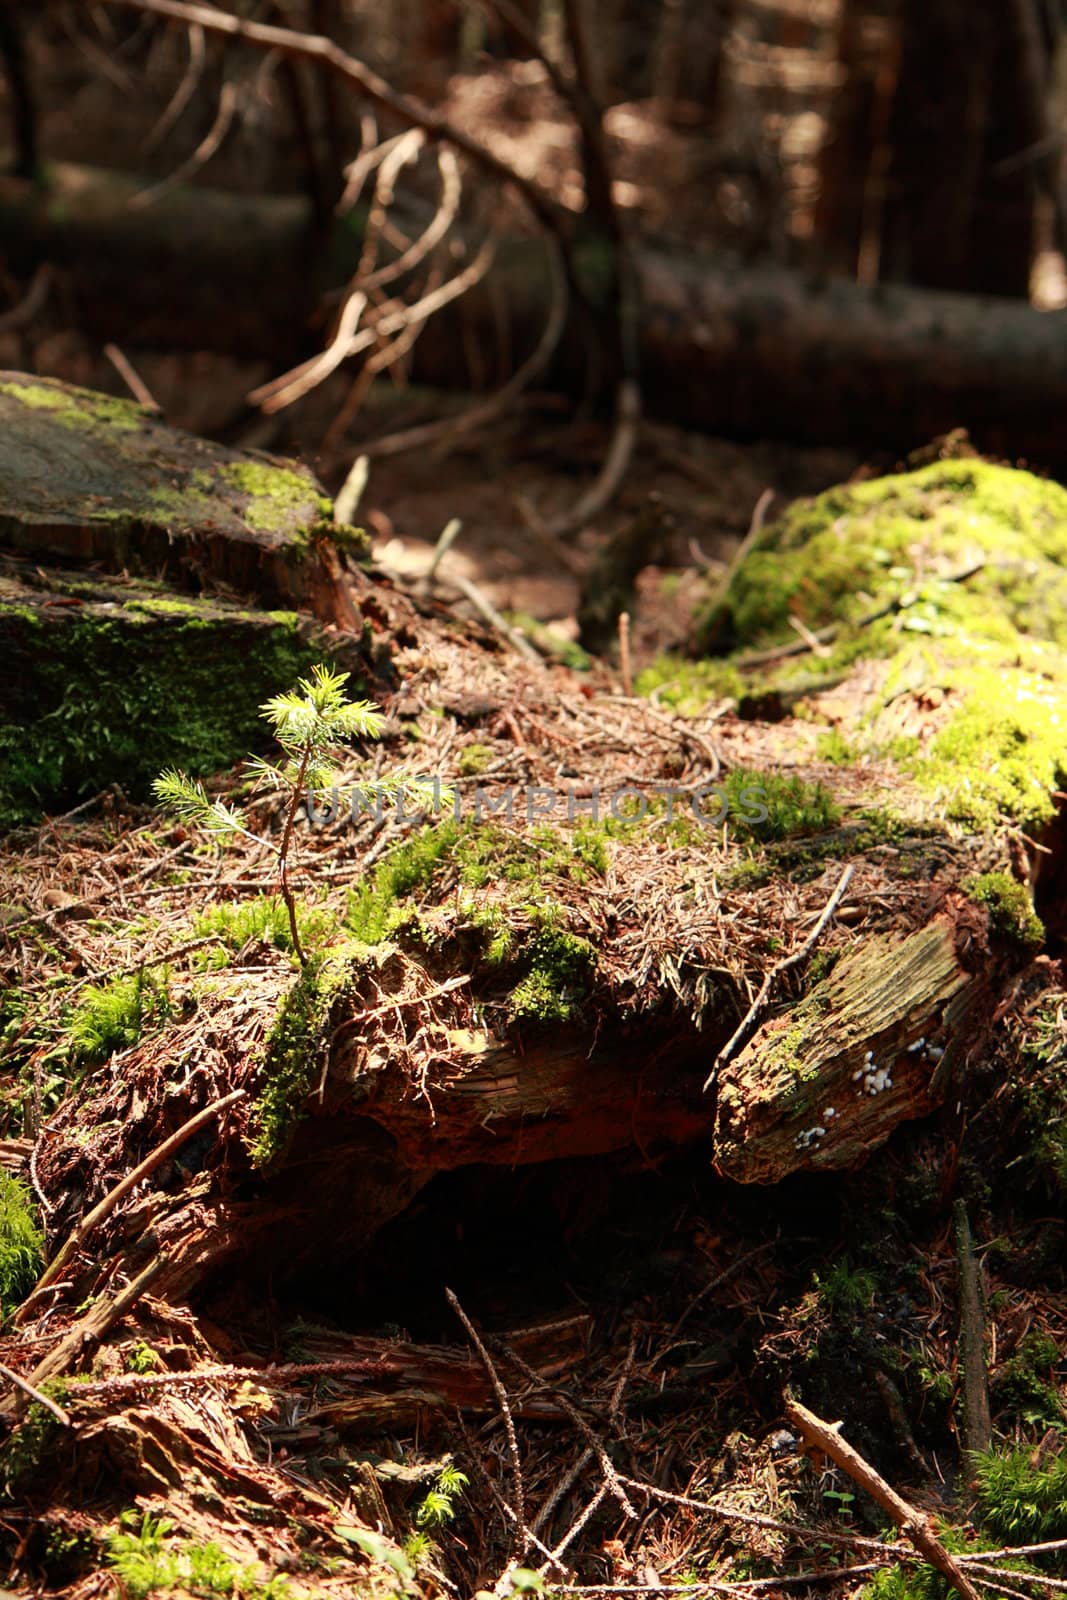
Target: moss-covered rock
{"points": [[938, 604]]}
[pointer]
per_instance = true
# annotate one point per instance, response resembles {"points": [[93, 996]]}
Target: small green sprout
{"points": [[311, 723]]}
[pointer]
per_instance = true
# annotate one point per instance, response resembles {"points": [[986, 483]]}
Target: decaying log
{"points": [[502, 989], [742, 349], [830, 1079]]}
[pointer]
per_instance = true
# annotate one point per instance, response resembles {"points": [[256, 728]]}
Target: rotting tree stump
{"points": [[88, 478], [154, 589]]}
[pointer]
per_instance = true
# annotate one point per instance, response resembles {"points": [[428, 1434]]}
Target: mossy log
{"points": [[751, 350], [88, 478]]}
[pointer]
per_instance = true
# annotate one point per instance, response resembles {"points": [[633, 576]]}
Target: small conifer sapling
{"points": [[312, 723]]}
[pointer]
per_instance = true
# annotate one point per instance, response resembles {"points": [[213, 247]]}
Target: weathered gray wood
{"points": [[88, 478]]}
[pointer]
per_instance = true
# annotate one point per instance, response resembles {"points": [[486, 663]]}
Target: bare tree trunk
{"points": [[854, 158], [969, 101]]}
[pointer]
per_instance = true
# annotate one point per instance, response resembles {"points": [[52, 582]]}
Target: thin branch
{"points": [[208, 147], [185, 90], [431, 236], [132, 379], [505, 1411], [489, 613], [911, 1521], [411, 111], [280, 392], [35, 1394], [486, 411], [747, 1026], [612, 1481], [351, 493]]}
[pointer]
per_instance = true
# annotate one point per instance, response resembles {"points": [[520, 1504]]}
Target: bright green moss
{"points": [[687, 686], [279, 499], [292, 1059], [123, 698], [1003, 753], [113, 1016], [836, 749], [1020, 1502], [956, 577], [1011, 910], [839, 556], [560, 965], [264, 920], [21, 1243], [486, 855], [374, 906], [493, 924], [474, 758], [791, 805], [77, 408]]}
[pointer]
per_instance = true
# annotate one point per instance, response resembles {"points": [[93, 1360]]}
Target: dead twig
{"points": [[488, 612], [208, 147], [486, 411], [132, 379], [912, 1522], [95, 1324], [518, 1489], [35, 1394], [185, 90], [347, 503], [625, 666], [747, 1026], [316, 48], [612, 1481]]}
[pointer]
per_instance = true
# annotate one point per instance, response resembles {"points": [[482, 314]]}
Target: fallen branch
{"points": [[314, 47], [908, 1518], [35, 1394], [94, 1325]]}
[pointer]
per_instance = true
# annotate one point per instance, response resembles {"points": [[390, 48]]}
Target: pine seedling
{"points": [[311, 723]]}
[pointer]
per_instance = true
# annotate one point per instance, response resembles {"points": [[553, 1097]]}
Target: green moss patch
{"points": [[21, 1243], [78, 408], [953, 579], [560, 965], [113, 1016], [293, 1056], [1011, 910], [262, 920], [114, 693]]}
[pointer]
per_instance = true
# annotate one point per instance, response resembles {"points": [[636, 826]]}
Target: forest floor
{"points": [[641, 1317]]}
